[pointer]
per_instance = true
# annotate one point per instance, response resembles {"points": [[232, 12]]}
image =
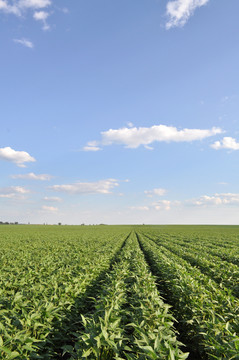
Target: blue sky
{"points": [[119, 111]]}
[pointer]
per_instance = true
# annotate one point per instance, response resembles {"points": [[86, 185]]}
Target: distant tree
{"points": [[59, 223]]}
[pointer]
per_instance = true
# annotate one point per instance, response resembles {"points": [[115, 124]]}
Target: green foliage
{"points": [[130, 320], [45, 271], [87, 292], [209, 313]]}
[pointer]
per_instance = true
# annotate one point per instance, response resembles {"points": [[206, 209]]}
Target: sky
{"points": [[119, 112]]}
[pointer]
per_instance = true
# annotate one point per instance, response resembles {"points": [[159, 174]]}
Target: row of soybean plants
{"points": [[208, 313], [44, 275], [225, 248], [223, 272], [130, 319], [224, 245]]}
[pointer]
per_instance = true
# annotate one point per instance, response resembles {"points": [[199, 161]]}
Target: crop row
{"points": [[42, 287], [130, 320], [224, 273], [209, 315], [225, 248]]}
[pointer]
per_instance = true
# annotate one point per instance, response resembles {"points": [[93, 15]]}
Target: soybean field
{"points": [[119, 292]]}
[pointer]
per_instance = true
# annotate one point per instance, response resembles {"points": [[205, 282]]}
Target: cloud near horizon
{"points": [[134, 137], [160, 205], [49, 208], [13, 192], [98, 187], [165, 205], [204, 201], [217, 199], [17, 157], [179, 11]]}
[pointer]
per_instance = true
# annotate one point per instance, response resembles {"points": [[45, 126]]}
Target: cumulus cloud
{"points": [[159, 192], [20, 7], [17, 157], [217, 199], [226, 143], [179, 11], [24, 42], [98, 187], [42, 16], [52, 199], [134, 137], [8, 8], [32, 176], [49, 208], [13, 192]]}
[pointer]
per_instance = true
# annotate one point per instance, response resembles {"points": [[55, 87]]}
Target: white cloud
{"points": [[13, 192], [17, 157], [49, 208], [98, 187], [148, 147], [159, 192], [165, 204], [134, 137], [24, 42], [161, 205], [91, 148], [32, 176], [52, 199], [226, 143], [9, 9], [217, 199], [33, 4], [214, 201], [42, 16], [20, 7], [179, 11]]}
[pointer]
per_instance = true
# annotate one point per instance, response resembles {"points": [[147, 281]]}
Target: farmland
{"points": [[119, 292]]}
